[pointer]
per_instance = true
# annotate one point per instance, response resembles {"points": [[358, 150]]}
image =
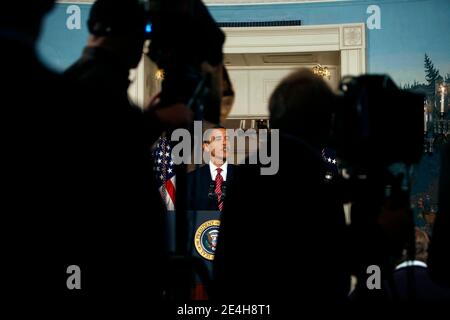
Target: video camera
{"points": [[183, 36], [377, 133], [377, 124]]}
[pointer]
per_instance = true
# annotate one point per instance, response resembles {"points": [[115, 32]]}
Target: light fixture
{"points": [[436, 120], [159, 74], [322, 71]]}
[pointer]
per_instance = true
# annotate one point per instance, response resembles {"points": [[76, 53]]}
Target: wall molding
{"points": [[228, 2], [76, 1], [261, 2], [348, 39]]}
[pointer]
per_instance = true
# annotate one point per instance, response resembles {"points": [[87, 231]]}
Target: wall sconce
{"points": [[159, 74], [322, 71]]}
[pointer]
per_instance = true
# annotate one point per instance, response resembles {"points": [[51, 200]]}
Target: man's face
{"points": [[218, 146]]}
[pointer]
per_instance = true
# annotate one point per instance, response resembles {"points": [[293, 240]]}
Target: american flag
{"points": [[165, 172], [331, 166]]}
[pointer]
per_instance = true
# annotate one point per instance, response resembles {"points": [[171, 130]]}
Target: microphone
{"points": [[212, 190], [224, 191]]}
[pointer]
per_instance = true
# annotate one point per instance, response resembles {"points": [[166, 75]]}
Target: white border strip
{"points": [[223, 3]]}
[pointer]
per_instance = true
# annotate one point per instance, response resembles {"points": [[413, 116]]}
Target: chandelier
{"points": [[436, 121], [322, 71], [159, 74]]}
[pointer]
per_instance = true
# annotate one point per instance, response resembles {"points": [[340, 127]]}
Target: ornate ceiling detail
{"points": [[352, 36]]}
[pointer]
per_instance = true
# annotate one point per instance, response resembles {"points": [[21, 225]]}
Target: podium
{"points": [[202, 234]]}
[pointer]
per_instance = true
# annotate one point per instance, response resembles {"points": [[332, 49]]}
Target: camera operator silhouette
{"points": [[47, 137], [439, 261], [415, 273], [300, 107], [228, 96], [126, 232], [57, 207], [34, 131]]}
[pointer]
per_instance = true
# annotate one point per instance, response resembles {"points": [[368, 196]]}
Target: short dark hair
{"points": [[214, 127], [227, 85], [301, 105], [117, 17], [422, 242], [25, 15]]}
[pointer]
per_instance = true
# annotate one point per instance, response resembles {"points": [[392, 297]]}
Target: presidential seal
{"points": [[205, 238]]}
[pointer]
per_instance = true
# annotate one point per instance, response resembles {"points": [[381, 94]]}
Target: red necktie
{"points": [[218, 189]]}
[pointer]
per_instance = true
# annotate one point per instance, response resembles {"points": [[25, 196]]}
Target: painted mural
{"points": [[407, 39]]}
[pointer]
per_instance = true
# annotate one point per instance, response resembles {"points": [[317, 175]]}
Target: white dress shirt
{"points": [[411, 263], [213, 170]]}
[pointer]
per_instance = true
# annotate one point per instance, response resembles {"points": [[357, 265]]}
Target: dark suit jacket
{"points": [[48, 173], [282, 233], [438, 261], [125, 228], [425, 288], [201, 188]]}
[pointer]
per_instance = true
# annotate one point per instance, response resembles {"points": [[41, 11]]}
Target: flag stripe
{"points": [[165, 171], [170, 187]]}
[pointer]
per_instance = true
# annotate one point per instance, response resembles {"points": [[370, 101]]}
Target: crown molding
{"points": [[267, 2], [75, 1], [227, 2]]}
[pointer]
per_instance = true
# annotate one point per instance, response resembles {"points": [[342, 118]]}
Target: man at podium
{"points": [[207, 185]]}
